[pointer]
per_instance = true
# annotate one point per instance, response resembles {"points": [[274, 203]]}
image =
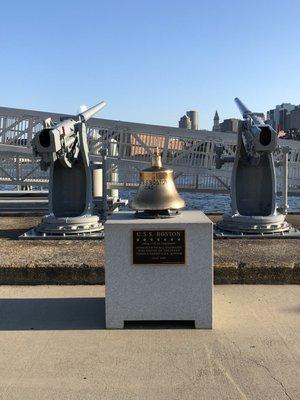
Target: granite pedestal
{"points": [[174, 286]]}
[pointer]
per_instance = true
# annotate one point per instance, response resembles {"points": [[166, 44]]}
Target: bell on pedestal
{"points": [[157, 196]]}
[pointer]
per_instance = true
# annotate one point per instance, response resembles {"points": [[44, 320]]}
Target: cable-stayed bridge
{"points": [[191, 154]]}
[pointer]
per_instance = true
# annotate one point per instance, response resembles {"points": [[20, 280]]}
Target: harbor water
{"points": [[208, 202], [213, 202]]}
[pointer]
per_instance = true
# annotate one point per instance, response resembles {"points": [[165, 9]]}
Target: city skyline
{"points": [[149, 61]]}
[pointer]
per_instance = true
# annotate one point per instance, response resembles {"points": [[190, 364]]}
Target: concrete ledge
{"points": [[242, 273], [85, 275], [246, 261]]}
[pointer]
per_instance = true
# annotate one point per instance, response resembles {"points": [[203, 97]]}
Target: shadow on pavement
{"points": [[291, 310], [12, 233], [52, 314], [143, 325]]}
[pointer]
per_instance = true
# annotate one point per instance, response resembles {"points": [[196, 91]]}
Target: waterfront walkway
{"points": [[54, 346]]}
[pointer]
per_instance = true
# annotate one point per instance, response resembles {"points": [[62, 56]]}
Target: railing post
{"points": [[285, 177], [165, 149], [103, 153]]}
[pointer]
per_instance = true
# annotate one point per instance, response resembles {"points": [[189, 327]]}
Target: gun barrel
{"points": [[89, 113], [247, 113], [258, 136], [243, 109]]}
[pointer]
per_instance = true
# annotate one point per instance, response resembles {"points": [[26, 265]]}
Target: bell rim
{"points": [[151, 207], [156, 174]]}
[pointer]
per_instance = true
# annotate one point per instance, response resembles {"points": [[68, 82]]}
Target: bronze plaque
{"points": [[159, 247]]}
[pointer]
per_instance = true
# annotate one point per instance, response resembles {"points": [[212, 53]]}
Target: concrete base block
{"points": [[159, 292], [114, 324]]}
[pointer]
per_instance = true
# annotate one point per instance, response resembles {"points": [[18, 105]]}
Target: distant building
{"points": [[260, 115], [230, 125], [190, 120], [294, 124], [135, 148], [279, 117], [216, 126], [194, 117], [293, 134], [185, 122], [294, 118]]}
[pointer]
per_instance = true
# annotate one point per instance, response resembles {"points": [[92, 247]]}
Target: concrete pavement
{"points": [[53, 345]]}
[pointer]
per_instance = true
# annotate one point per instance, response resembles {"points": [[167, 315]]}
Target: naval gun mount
{"points": [[254, 210], [63, 148]]}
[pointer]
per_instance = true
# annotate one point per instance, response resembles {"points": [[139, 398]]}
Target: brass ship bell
{"points": [[157, 196]]}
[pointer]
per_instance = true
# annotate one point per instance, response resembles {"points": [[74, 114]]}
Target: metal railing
{"points": [[191, 154]]}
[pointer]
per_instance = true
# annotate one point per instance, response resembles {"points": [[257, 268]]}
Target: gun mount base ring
{"points": [[243, 224], [32, 234], [69, 226]]}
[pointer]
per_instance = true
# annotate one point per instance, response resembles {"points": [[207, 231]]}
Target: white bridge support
{"points": [[190, 153]]}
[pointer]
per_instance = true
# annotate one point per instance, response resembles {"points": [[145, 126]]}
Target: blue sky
{"points": [[150, 60]]}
